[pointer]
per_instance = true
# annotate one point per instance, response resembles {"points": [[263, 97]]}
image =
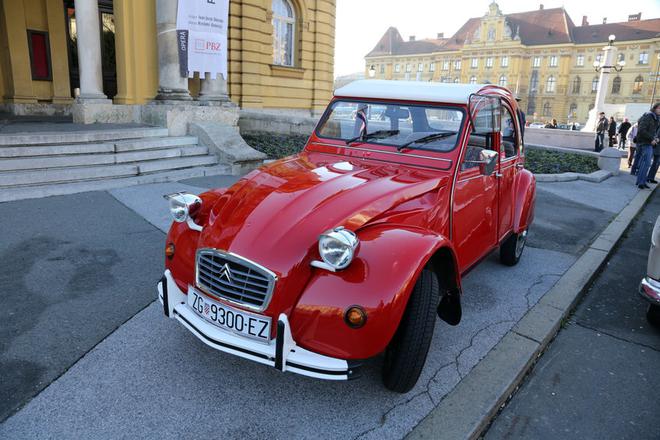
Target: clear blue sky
{"points": [[361, 23]]}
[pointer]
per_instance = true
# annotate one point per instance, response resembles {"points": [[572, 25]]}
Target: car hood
{"points": [[273, 216]]}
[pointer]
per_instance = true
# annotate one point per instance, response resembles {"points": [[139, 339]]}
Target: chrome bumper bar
{"points": [[650, 290], [281, 353]]}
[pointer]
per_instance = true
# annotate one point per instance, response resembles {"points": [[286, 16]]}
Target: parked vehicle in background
{"points": [[649, 288], [353, 247], [537, 125]]}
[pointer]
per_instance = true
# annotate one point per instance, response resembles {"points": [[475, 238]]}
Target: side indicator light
{"points": [[355, 317], [169, 250]]}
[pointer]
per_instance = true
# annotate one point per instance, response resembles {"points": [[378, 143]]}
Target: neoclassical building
{"points": [[123, 53], [540, 55]]}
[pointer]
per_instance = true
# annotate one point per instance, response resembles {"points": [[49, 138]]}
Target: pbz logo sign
{"points": [[207, 45]]}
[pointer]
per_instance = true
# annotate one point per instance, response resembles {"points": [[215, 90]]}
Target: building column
{"points": [[171, 85], [89, 50], [213, 89]]}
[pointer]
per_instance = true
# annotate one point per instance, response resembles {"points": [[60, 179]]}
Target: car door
{"points": [[509, 153], [475, 206]]}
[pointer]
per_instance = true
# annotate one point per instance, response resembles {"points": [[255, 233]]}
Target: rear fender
{"points": [[525, 200], [380, 279]]}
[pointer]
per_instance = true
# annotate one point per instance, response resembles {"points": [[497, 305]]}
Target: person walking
{"points": [[632, 137], [601, 127], [623, 133], [611, 132], [656, 158], [647, 132]]}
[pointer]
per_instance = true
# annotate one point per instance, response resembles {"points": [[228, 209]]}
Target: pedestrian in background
{"points": [[647, 132], [611, 132], [656, 158], [632, 138], [601, 128], [623, 133]]}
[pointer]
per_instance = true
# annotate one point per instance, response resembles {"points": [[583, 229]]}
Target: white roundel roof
{"points": [[409, 90]]}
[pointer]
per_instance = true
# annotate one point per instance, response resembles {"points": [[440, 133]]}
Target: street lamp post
{"points": [[604, 67], [372, 71]]}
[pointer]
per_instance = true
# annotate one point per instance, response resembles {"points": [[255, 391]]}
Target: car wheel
{"points": [[406, 354], [512, 248], [653, 315]]}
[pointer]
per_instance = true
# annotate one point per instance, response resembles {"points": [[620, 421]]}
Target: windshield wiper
{"points": [[375, 134], [426, 139]]}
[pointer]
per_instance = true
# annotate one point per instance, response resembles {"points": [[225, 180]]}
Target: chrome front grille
{"points": [[235, 279]]}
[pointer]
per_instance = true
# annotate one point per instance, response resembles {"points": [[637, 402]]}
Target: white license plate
{"points": [[228, 318]]}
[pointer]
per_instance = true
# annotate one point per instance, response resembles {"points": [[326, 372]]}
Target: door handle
{"points": [[520, 166], [498, 175]]}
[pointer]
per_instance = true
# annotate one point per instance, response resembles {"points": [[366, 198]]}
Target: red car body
{"points": [[407, 208]]}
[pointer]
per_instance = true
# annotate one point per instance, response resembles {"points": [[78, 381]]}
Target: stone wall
{"points": [[560, 138], [281, 122]]}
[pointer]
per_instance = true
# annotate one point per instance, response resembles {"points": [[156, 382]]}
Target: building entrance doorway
{"points": [[107, 30]]}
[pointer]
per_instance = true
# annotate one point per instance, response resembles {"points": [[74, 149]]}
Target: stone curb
{"points": [[595, 177], [469, 408]]}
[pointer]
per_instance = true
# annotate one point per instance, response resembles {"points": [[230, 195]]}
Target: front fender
{"points": [[525, 200], [380, 280]]}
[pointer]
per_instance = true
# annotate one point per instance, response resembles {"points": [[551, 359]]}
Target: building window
{"points": [[432, 67], [473, 79], [547, 111], [621, 57], [458, 80], [420, 67], [39, 55], [643, 58], [572, 111], [536, 62], [382, 68], [503, 81], [616, 85], [491, 34], [534, 82], [553, 61], [594, 85], [284, 31], [637, 85], [445, 65], [505, 62], [489, 62], [397, 68], [599, 57], [551, 85], [475, 63], [457, 65], [576, 85], [408, 68], [579, 61]]}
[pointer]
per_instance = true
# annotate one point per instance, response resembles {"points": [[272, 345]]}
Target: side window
{"points": [[509, 136], [486, 114]]}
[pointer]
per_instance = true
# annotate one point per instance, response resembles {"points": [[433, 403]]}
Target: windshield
{"points": [[423, 127]]}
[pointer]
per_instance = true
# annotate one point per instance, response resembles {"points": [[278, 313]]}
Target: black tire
{"points": [[512, 248], [406, 354], [653, 315]]}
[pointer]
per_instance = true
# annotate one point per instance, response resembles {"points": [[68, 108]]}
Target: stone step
{"points": [[58, 189], [54, 150], [173, 164], [79, 136], [70, 174], [45, 162], [150, 144]]}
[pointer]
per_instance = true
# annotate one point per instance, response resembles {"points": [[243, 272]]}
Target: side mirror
{"points": [[488, 162]]}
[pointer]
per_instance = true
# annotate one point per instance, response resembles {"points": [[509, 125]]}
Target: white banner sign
{"points": [[202, 34]]}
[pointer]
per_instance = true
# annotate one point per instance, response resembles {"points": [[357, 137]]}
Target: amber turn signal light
{"points": [[355, 317], [169, 250]]}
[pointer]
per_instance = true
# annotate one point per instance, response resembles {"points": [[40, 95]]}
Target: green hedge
{"points": [[276, 146]]}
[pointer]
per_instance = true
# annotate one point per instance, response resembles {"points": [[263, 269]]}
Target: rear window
{"points": [[406, 124]]}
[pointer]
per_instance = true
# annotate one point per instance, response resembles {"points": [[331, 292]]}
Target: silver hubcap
{"points": [[520, 243]]}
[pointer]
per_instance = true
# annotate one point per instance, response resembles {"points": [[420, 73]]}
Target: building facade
{"points": [[540, 55], [280, 54]]}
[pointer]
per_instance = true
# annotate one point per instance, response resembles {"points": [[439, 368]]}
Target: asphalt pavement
{"points": [[152, 379], [599, 378]]}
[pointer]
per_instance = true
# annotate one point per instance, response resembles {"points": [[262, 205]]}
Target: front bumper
{"points": [[281, 353], [650, 290]]}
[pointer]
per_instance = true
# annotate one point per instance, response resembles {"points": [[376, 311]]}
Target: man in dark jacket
{"points": [[601, 128], [656, 159], [623, 133], [647, 138]]}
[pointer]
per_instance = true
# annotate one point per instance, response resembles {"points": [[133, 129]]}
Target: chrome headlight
{"points": [[337, 247], [183, 205]]}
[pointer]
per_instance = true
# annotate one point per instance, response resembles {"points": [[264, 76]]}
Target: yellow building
{"points": [[540, 55], [280, 55]]}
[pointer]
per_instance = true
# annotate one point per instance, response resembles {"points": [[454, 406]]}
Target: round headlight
{"points": [[337, 247], [183, 205]]}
